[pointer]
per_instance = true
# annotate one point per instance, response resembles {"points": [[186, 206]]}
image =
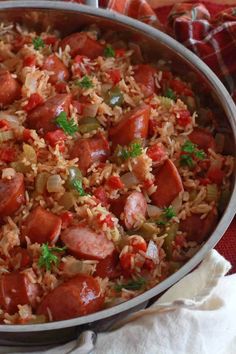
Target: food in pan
{"points": [[112, 175]]}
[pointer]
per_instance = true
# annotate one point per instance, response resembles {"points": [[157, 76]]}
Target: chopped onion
{"points": [[90, 110], [129, 179], [153, 211], [8, 173], [67, 200], [106, 87], [152, 251], [29, 153], [6, 135], [54, 184], [41, 182], [177, 203], [10, 118], [74, 266]]}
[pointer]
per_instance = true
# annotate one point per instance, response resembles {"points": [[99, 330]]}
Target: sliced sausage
{"points": [[78, 296], [169, 184], [107, 267], [144, 76], [12, 194], [43, 117], [81, 43], [55, 65], [85, 243], [203, 139], [90, 150], [134, 207], [16, 289], [198, 229], [10, 88], [133, 125], [42, 226]]}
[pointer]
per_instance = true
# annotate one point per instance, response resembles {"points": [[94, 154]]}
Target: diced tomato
{"points": [[35, 100], [115, 76], [107, 220], [119, 53], [79, 106], [7, 154], [60, 87], [153, 125], [56, 137], [148, 183], [149, 264], [138, 243], [187, 92], [29, 60], [166, 75], [126, 260], [204, 181], [157, 153], [26, 136], [66, 219], [50, 40], [4, 124], [180, 240], [79, 58], [114, 182], [19, 42], [215, 174], [184, 118], [178, 86], [100, 194]]}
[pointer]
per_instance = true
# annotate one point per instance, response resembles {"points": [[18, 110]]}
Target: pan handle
{"points": [[93, 3]]}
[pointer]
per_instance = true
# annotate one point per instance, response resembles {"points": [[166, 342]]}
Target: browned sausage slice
{"points": [[85, 243], [133, 125], [16, 289], [42, 226], [144, 76], [134, 207], [198, 229], [43, 117], [55, 65], [81, 43], [169, 185], [10, 88], [78, 296], [90, 150], [12, 194], [203, 139]]}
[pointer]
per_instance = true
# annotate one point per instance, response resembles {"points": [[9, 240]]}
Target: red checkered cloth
{"points": [[209, 30]]}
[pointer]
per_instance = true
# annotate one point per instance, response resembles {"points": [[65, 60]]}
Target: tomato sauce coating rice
{"points": [[111, 174]]}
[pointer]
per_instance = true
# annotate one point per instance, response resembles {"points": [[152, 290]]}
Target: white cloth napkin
{"points": [[196, 316]]}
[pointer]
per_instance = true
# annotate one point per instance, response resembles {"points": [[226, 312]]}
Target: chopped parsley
{"points": [[192, 152], [170, 94], [47, 257], [85, 82], [133, 150], [68, 126], [38, 43], [169, 212], [132, 285], [77, 185], [109, 52]]}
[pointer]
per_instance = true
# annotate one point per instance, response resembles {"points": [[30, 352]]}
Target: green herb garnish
{"points": [[192, 151], [85, 82], [161, 223], [133, 150], [68, 126], [109, 52], [169, 212], [47, 257], [170, 94], [38, 43], [132, 285], [77, 185]]}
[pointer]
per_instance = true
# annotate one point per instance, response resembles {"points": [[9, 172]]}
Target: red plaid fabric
{"points": [[210, 32]]}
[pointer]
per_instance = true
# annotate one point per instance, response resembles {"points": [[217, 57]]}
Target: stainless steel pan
{"points": [[69, 17]]}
